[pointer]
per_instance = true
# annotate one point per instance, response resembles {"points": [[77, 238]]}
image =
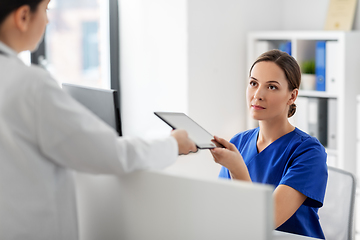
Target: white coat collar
{"points": [[7, 50]]}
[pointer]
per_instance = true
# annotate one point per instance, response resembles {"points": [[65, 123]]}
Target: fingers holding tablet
{"points": [[199, 135], [185, 144], [220, 142]]}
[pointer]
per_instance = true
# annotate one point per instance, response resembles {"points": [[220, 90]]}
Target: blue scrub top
{"points": [[296, 160]]}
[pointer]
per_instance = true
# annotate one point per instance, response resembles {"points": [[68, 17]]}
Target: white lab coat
{"points": [[44, 134]]}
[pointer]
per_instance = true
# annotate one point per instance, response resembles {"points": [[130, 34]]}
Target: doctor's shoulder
{"points": [[35, 75], [27, 82]]}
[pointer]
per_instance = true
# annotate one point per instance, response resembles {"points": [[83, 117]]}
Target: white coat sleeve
{"points": [[72, 137]]}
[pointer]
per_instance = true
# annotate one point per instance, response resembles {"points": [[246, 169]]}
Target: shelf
{"points": [[320, 94], [298, 35], [333, 152]]}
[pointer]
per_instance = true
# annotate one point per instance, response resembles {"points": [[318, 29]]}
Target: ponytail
{"points": [[292, 110]]}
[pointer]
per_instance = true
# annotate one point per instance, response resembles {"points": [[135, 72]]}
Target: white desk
{"points": [[152, 206], [277, 235]]}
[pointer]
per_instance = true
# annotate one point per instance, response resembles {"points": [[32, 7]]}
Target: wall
{"points": [[308, 15], [190, 56], [216, 70], [153, 51], [187, 56]]}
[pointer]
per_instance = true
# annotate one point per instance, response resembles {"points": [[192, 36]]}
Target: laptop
{"points": [[102, 102]]}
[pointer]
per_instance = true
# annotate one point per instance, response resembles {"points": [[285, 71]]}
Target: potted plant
{"points": [[308, 78]]}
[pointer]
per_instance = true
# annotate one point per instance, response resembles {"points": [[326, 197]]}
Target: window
{"points": [[90, 47], [77, 42]]}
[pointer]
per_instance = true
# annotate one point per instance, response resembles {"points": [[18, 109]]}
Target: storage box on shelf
{"points": [[342, 84]]}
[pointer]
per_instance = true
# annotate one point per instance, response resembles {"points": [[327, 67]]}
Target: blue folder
{"points": [[320, 55], [285, 47]]}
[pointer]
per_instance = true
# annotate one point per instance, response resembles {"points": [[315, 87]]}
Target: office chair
{"points": [[336, 216]]}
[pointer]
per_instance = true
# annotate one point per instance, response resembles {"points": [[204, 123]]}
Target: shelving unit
{"points": [[345, 155], [308, 93]]}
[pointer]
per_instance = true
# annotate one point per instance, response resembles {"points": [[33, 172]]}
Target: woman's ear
{"points": [[22, 17], [293, 96]]}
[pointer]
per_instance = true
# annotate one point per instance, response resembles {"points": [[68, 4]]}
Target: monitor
{"points": [[102, 102]]}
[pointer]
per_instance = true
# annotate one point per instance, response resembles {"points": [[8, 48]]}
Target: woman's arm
{"points": [[231, 158], [287, 201]]}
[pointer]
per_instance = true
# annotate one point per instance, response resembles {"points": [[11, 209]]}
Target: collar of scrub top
{"points": [[5, 50]]}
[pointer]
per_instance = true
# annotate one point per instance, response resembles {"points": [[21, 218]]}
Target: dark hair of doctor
{"points": [[290, 67], [7, 6]]}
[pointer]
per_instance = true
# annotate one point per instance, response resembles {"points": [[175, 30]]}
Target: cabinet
{"points": [[341, 100]]}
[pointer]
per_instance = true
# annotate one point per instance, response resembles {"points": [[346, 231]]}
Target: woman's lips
{"points": [[257, 107]]}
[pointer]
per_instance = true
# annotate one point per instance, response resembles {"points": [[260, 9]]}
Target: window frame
{"points": [[114, 42]]}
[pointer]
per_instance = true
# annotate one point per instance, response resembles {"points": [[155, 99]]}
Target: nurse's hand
{"points": [[230, 158], [185, 144]]}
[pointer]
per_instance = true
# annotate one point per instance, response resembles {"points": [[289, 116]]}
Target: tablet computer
{"points": [[202, 138]]}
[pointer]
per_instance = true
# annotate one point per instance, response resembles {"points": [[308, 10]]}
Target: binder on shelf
{"points": [[332, 124], [317, 119], [285, 47], [313, 109], [331, 69], [320, 65], [301, 114]]}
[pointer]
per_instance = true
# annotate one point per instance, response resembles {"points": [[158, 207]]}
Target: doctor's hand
{"points": [[185, 144], [230, 158]]}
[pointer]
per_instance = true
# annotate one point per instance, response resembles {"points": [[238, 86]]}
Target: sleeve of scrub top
{"points": [[73, 137], [236, 140], [307, 172], [224, 173]]}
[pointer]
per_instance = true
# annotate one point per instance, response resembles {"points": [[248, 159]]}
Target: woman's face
{"points": [[268, 95], [37, 26]]}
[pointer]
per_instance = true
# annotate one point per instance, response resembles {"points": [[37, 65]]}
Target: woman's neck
{"points": [[272, 130], [10, 36]]}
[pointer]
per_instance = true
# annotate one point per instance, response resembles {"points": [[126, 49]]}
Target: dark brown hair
{"points": [[8, 6], [290, 67]]}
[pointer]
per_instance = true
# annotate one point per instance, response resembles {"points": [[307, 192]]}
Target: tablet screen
{"points": [[199, 135]]}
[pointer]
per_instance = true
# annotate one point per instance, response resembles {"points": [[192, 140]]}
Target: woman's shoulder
{"points": [[245, 135], [29, 83], [37, 72], [18, 71], [305, 137], [302, 141]]}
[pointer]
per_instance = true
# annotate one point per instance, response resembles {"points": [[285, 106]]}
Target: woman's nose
{"points": [[259, 94]]}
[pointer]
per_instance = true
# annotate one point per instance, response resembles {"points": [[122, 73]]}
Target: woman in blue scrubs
{"points": [[276, 152]]}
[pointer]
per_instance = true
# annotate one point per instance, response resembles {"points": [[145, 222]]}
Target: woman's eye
{"points": [[252, 83], [272, 87]]}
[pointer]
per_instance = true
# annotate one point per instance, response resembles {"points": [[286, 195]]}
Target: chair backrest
{"points": [[336, 216]]}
